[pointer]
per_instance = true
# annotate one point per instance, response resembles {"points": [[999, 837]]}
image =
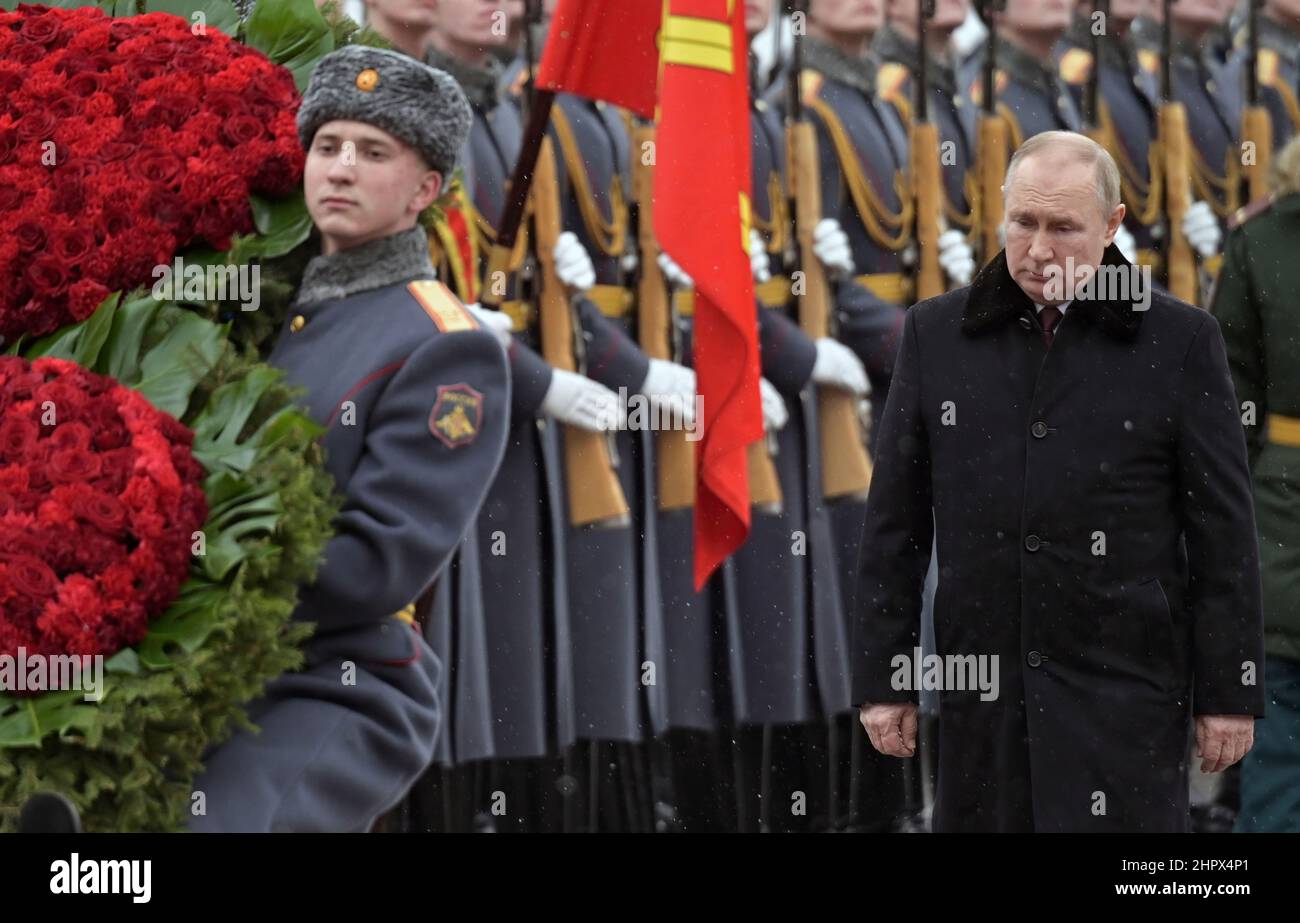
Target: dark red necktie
{"points": [[1050, 316]]}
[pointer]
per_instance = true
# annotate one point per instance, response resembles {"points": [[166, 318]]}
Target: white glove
{"points": [[775, 415], [837, 366], [572, 264], [629, 261], [758, 262], [497, 322], [675, 275], [579, 401], [831, 246], [671, 389], [1127, 244], [956, 257], [1201, 228]]}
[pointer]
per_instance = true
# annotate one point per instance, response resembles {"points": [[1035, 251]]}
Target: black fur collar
{"points": [[995, 298]]}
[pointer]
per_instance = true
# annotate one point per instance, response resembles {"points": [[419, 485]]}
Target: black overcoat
{"points": [[1095, 535]]}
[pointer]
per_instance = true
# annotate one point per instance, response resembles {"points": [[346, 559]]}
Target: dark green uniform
{"points": [[1255, 303]]}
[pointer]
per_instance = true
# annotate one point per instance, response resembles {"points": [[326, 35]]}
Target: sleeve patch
{"points": [[457, 415]]}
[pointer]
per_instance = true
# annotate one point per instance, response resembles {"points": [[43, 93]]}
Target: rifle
{"points": [[1256, 125], [1092, 90], [927, 180], [1173, 139], [846, 467], [595, 494], [994, 138], [674, 453]]}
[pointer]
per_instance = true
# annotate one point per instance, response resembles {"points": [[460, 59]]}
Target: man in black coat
{"points": [[1074, 445]]}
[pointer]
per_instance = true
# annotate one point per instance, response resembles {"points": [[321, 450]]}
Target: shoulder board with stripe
{"points": [[443, 308], [1266, 66], [890, 79], [1076, 66], [810, 84], [1148, 60], [1000, 80], [1249, 210], [520, 81]]}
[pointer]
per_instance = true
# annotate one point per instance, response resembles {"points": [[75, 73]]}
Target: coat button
{"points": [[1034, 659], [297, 323], [1032, 543], [1039, 429]]}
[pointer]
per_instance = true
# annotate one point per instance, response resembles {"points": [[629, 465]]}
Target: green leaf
{"points": [[171, 370], [81, 342], [217, 429], [23, 722], [282, 225], [124, 661], [218, 14], [121, 356], [186, 624], [291, 33]]}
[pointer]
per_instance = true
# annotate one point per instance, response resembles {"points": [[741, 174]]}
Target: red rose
{"points": [[31, 577], [17, 436], [72, 466], [73, 246], [30, 236], [41, 30]]}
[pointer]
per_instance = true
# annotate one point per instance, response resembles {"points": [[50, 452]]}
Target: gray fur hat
{"points": [[422, 105]]}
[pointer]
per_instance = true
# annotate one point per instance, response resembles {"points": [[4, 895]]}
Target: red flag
{"points": [[604, 49], [701, 216]]}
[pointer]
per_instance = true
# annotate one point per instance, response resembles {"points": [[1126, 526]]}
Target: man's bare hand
{"points": [[1221, 740], [891, 727]]}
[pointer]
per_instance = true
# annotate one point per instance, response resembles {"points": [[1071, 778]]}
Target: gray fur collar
{"points": [[833, 64], [399, 258], [479, 83]]}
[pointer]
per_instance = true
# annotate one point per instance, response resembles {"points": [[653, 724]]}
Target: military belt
{"points": [[612, 300], [1284, 430], [521, 313], [775, 292], [893, 287]]}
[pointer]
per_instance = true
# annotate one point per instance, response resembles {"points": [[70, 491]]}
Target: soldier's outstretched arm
{"points": [[786, 353], [530, 377], [871, 327], [613, 358], [432, 446]]}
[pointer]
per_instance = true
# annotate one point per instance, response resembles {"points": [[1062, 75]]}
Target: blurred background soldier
{"points": [[1030, 97], [1254, 302], [1277, 65]]}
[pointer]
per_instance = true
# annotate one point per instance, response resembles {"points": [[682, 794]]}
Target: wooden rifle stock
{"points": [[675, 454], [595, 494], [992, 167], [1180, 262], [927, 184], [846, 467], [1257, 127]]}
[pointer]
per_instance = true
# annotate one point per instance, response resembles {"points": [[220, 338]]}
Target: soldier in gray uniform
{"points": [[1277, 66], [598, 634], [1128, 100], [1030, 95], [1212, 92], [415, 398], [949, 109]]}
